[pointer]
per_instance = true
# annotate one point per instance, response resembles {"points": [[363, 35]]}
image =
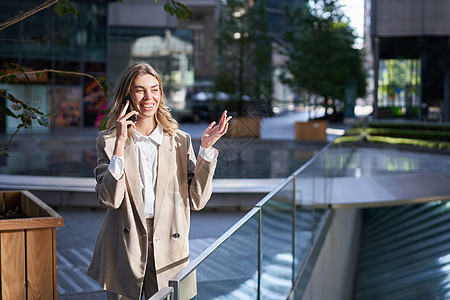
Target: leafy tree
{"points": [[321, 57], [244, 51], [14, 73]]}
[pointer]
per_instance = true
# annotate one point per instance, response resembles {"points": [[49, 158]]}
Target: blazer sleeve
{"points": [[110, 192], [200, 175]]}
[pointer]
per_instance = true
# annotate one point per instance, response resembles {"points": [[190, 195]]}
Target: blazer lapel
{"points": [[165, 169], [132, 178]]}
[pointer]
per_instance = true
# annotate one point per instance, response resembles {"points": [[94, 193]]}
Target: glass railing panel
{"points": [[368, 161], [277, 244], [304, 191], [338, 160], [320, 179], [304, 220], [231, 270]]}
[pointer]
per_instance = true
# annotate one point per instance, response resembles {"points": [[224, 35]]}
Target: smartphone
{"points": [[130, 108]]}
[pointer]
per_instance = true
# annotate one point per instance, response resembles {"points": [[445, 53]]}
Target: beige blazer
{"points": [[183, 183]]}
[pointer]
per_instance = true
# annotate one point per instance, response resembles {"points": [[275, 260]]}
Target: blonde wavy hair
{"points": [[163, 116]]}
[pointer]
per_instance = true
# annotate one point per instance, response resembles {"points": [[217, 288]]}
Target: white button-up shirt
{"points": [[146, 148]]}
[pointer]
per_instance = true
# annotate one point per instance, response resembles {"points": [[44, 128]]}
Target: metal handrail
{"points": [[164, 293], [175, 281]]}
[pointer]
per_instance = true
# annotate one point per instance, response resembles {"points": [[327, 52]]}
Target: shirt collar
{"points": [[156, 136]]}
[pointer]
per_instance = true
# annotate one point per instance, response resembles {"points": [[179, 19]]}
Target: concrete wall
{"points": [[140, 13], [332, 276], [412, 18]]}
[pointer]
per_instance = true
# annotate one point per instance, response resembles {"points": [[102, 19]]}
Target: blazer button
{"points": [[126, 230], [176, 235]]}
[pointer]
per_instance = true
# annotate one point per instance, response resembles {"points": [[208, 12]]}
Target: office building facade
{"points": [[102, 41], [410, 55]]}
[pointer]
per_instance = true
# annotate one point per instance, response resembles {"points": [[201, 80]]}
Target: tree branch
{"points": [[10, 140], [45, 38], [17, 73], [27, 14]]}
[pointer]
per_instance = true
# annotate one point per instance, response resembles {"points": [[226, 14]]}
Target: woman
{"points": [[148, 178]]}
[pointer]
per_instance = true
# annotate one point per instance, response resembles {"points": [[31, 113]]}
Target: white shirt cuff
{"points": [[208, 154], [116, 167]]}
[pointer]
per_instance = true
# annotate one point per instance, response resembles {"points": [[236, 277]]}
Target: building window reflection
{"points": [[170, 52], [67, 106], [66, 43], [399, 87]]}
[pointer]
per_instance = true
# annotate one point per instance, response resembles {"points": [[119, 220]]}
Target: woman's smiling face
{"points": [[145, 95]]}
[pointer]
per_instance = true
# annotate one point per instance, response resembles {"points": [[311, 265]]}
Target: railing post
{"points": [[312, 202], [175, 284], [294, 213], [259, 254], [325, 177]]}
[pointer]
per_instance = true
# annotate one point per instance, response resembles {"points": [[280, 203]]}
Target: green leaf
{"points": [[13, 78], [38, 75], [16, 107], [59, 9], [5, 79], [167, 7], [65, 7], [105, 111], [73, 9], [6, 154], [43, 121], [27, 78], [7, 112], [26, 120], [103, 121]]}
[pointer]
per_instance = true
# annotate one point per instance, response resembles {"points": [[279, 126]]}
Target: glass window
{"points": [[399, 86], [71, 37], [94, 31], [32, 94], [169, 52], [9, 36], [67, 106], [94, 102], [39, 35]]}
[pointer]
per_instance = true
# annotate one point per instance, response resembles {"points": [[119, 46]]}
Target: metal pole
{"points": [[294, 213], [259, 255]]}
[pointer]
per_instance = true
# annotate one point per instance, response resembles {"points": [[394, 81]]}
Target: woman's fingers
{"points": [[130, 114], [125, 107], [212, 125]]}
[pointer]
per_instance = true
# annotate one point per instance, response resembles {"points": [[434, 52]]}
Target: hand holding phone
{"points": [[127, 118], [133, 118]]}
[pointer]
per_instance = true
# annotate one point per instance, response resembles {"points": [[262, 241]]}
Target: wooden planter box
{"points": [[28, 248], [244, 127], [311, 130]]}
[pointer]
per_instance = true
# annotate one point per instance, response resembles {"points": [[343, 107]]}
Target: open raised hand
{"points": [[213, 133]]}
